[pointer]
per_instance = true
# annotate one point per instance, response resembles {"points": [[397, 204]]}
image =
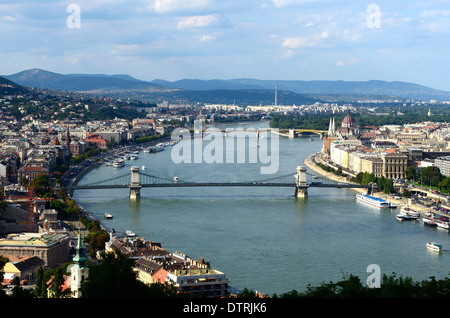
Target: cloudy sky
{"points": [[224, 39]]}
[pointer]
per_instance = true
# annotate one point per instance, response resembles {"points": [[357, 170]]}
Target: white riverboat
{"points": [[118, 163], [410, 212], [108, 215], [371, 200], [443, 224], [404, 217], [434, 247]]}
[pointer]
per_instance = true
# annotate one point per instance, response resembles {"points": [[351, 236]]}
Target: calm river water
{"points": [[264, 238]]}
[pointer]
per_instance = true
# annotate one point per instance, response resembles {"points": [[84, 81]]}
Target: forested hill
{"points": [[8, 87]]}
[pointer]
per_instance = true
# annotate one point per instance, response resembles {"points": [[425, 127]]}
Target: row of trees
{"points": [[364, 178], [391, 115], [428, 176], [431, 176], [384, 184]]}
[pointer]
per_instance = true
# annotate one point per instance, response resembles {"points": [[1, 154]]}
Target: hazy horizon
{"points": [[210, 39]]}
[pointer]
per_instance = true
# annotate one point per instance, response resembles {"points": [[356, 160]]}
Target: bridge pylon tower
{"points": [[135, 185], [291, 133], [301, 184]]}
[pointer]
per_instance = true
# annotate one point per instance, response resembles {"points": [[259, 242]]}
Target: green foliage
{"points": [[89, 152], [410, 173], [3, 261], [20, 292], [66, 208], [41, 185], [141, 140], [40, 289], [365, 178], [114, 277], [388, 114], [390, 287]]}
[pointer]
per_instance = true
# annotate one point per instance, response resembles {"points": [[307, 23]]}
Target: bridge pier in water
{"points": [[135, 185], [291, 133], [301, 185]]}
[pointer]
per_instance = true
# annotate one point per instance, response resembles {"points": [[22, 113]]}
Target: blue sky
{"points": [[224, 39]]}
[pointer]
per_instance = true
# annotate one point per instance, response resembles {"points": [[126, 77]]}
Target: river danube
{"points": [[264, 238]]}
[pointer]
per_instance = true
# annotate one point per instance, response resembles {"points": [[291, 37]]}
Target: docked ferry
{"points": [[436, 219], [118, 163], [408, 211], [374, 201]]}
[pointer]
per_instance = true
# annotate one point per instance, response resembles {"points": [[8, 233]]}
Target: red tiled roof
{"points": [[160, 275]]}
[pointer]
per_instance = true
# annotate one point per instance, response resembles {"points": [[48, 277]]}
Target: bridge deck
{"points": [[149, 181], [216, 184]]}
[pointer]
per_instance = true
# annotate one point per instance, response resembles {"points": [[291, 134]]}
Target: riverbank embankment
{"points": [[311, 163]]}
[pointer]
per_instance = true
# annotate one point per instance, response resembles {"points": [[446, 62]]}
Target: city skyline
{"points": [[210, 39]]}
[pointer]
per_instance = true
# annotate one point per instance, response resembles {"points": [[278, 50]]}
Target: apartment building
{"points": [[373, 165], [443, 163], [394, 165], [52, 248]]}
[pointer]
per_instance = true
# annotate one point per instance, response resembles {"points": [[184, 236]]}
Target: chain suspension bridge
{"points": [[135, 180]]}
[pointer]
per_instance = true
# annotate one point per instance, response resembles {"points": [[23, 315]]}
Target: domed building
{"points": [[349, 129], [349, 121]]}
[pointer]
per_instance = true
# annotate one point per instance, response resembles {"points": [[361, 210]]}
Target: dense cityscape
{"points": [[52, 138]]}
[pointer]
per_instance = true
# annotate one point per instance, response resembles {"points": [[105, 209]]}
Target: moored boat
{"points": [[410, 212], [443, 224], [405, 217], [434, 247], [428, 219], [429, 222], [156, 148], [371, 200], [118, 163], [442, 221], [108, 215]]}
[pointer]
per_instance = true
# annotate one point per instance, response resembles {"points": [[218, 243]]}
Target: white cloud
{"points": [[350, 35], [206, 38], [295, 42], [119, 49], [299, 42], [200, 21], [434, 13], [287, 3], [351, 61], [9, 18], [162, 6]]}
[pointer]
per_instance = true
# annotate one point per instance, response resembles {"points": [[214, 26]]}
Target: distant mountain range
{"points": [[78, 82], [359, 88], [239, 91]]}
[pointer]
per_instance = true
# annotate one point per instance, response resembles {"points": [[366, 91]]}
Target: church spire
{"points": [[79, 258], [79, 272]]}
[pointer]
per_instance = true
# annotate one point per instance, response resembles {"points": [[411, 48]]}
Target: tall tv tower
{"points": [[276, 93]]}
